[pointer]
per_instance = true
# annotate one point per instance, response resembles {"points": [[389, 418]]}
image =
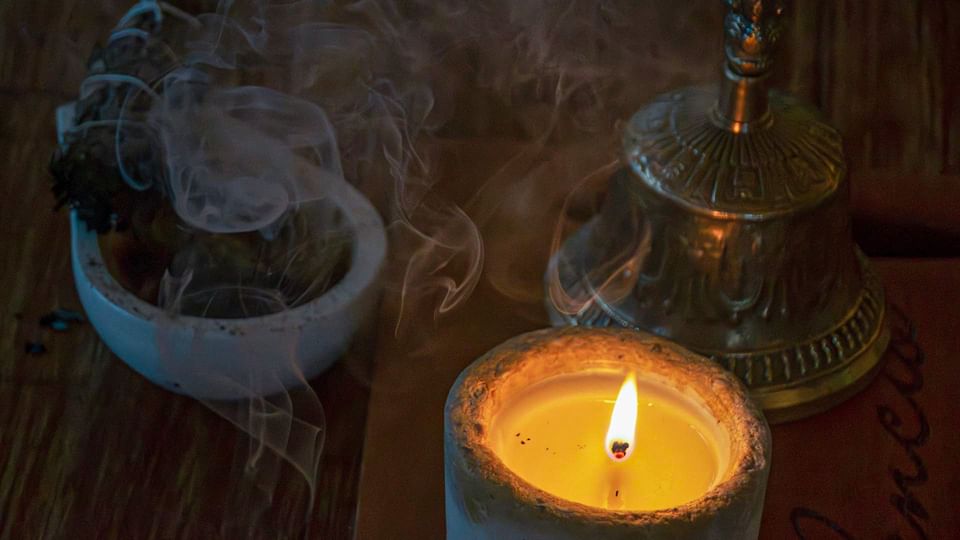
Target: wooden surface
{"points": [[883, 464], [879, 465], [88, 449]]}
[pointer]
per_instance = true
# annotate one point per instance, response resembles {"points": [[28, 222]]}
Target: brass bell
{"points": [[728, 231]]}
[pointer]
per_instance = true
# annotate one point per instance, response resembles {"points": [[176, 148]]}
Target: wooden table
{"points": [[88, 449], [879, 465]]}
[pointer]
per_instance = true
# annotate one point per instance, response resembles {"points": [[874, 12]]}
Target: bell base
{"points": [[818, 395], [790, 381]]}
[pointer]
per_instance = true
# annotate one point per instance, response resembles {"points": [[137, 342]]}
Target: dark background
{"points": [[90, 449]]}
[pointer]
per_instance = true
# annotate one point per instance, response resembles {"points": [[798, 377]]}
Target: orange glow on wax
{"points": [[552, 435]]}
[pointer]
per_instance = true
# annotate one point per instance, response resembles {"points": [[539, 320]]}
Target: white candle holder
{"points": [[226, 359], [486, 499]]}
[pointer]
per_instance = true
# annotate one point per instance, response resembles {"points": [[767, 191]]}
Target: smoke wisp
{"points": [[480, 131]]}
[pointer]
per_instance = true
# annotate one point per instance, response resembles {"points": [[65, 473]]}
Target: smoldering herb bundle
{"points": [[202, 206]]}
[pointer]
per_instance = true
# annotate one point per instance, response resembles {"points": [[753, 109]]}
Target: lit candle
{"points": [[571, 423], [580, 433]]}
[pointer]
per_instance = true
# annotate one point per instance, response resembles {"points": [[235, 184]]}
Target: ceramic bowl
{"points": [[225, 359]]}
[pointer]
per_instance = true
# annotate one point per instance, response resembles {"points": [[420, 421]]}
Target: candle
{"points": [[562, 424], [612, 433]]}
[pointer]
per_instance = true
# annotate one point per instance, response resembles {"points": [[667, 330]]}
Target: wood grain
{"points": [[882, 72], [88, 449], [834, 469]]}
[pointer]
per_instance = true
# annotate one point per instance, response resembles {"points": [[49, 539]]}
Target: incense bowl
{"points": [[225, 359], [230, 359]]}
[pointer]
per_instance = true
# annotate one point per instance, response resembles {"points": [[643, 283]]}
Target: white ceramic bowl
{"points": [[225, 359]]}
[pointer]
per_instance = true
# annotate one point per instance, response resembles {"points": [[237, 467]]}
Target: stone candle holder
{"points": [[486, 499]]}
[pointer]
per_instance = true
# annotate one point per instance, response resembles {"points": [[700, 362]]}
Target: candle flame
{"points": [[623, 421]]}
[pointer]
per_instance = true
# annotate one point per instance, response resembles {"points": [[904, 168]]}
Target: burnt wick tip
{"points": [[619, 449]]}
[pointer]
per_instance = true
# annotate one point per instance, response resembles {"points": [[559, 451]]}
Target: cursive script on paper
{"points": [[903, 371]]}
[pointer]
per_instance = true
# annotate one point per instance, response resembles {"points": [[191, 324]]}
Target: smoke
{"points": [[231, 153], [544, 90], [258, 126], [482, 132]]}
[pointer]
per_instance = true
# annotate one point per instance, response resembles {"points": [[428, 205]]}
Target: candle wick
{"points": [[619, 449]]}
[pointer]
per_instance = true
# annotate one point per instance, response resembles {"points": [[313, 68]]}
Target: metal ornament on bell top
{"points": [[729, 232]]}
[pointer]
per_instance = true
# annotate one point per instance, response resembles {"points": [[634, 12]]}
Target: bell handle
{"points": [[752, 29]]}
